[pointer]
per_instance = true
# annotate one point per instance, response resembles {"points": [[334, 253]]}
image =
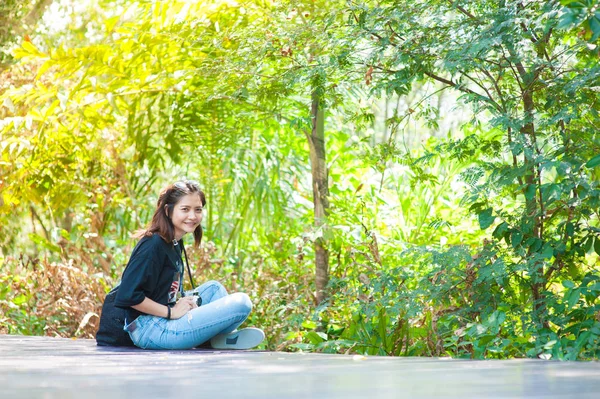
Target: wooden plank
{"points": [[44, 367]]}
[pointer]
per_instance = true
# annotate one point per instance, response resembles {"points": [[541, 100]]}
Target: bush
{"points": [[53, 299]]}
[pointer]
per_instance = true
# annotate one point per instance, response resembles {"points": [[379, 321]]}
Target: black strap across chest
{"points": [[187, 263]]}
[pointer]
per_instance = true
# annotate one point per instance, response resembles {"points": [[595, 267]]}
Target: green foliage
{"points": [[531, 180], [582, 14], [13, 13], [481, 243]]}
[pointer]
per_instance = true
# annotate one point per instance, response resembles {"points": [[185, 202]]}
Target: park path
{"points": [[44, 367]]}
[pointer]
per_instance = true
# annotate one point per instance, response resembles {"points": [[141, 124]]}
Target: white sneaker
{"points": [[245, 338]]}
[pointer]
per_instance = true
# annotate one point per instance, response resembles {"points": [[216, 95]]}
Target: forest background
{"points": [[412, 178]]}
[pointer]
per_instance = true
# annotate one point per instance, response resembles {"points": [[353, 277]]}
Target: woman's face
{"points": [[187, 214]]}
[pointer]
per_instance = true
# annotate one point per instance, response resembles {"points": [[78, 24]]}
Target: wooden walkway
{"points": [[43, 367]]}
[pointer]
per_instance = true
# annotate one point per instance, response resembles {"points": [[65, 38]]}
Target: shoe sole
{"points": [[245, 338]]}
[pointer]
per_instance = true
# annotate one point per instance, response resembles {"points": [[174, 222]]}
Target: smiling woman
{"points": [[153, 281], [186, 215], [178, 211]]}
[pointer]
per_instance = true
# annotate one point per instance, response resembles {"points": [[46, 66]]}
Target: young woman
{"points": [[151, 284]]}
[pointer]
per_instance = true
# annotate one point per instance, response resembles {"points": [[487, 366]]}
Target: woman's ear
{"points": [[167, 210]]}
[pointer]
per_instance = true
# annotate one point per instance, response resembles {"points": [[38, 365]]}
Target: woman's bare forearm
{"points": [[148, 306], [184, 305]]}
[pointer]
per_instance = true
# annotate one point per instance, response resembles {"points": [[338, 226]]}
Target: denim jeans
{"points": [[220, 313]]}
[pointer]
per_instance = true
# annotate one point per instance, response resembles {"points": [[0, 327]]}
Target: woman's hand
{"points": [[183, 305]]}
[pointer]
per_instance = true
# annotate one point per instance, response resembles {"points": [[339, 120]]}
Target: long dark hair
{"points": [[169, 196]]}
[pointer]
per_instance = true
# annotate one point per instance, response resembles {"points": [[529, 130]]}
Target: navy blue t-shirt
{"points": [[153, 271]]}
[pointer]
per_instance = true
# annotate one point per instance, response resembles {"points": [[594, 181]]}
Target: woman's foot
{"points": [[245, 338]]}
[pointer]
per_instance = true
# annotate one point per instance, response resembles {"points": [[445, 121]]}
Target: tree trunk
{"points": [[533, 207], [318, 166], [35, 13]]}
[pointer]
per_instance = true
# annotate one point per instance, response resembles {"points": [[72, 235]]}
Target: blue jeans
{"points": [[220, 313]]}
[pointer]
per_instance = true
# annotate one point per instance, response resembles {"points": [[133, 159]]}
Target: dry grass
{"points": [[38, 297], [54, 299]]}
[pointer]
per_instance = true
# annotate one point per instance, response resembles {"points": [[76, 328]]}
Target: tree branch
{"points": [[498, 107], [458, 87], [510, 65], [36, 13], [462, 10], [37, 217], [515, 163], [496, 87]]}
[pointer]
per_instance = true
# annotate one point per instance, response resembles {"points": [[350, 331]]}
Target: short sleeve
{"points": [[141, 274]]}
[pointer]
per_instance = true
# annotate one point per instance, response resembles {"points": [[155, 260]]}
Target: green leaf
{"points": [[573, 271], [486, 218], [595, 287], [308, 324], [570, 229], [574, 297], [315, 338], [19, 300], [568, 284], [45, 66], [568, 2], [536, 244], [110, 23], [594, 27], [39, 240], [500, 230], [530, 191], [515, 238], [304, 347], [567, 20], [382, 326], [583, 339], [597, 245], [31, 49], [485, 339], [595, 161], [496, 319], [547, 251], [587, 243]]}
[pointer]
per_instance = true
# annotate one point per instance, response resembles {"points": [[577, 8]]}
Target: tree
{"points": [[17, 18], [62, 146], [108, 116], [533, 86], [298, 73]]}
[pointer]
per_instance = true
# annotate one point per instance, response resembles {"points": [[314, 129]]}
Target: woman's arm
{"points": [[182, 306]]}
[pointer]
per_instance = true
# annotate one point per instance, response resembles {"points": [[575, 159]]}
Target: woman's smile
{"points": [[187, 214]]}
